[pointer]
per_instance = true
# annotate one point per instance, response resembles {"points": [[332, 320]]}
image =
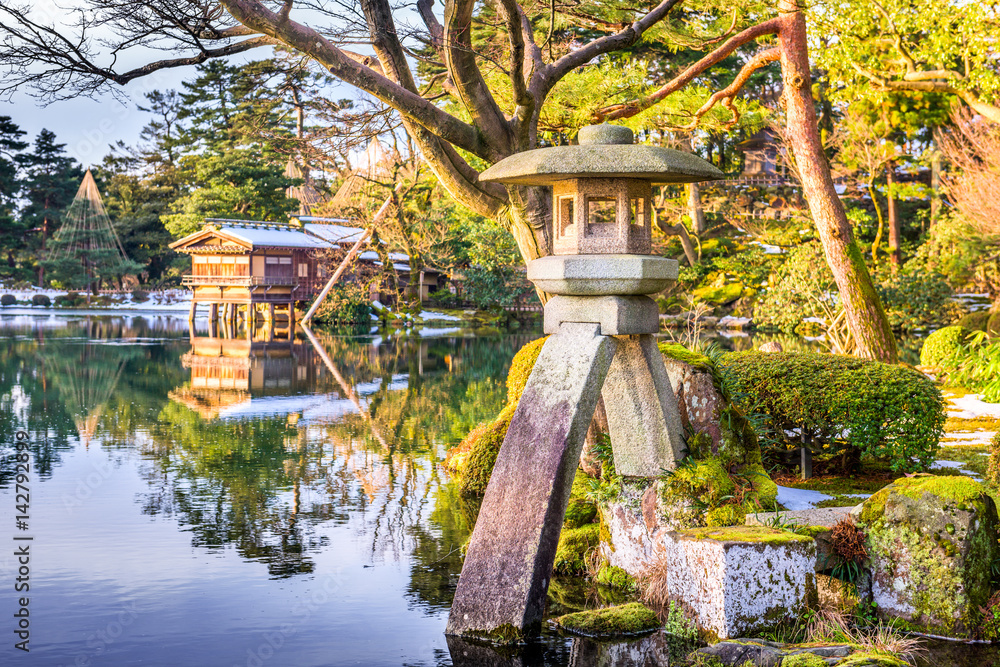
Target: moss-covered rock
{"points": [[942, 345], [620, 621], [977, 321], [581, 509], [803, 660], [931, 541], [575, 547], [723, 479], [871, 659], [615, 577], [473, 459]]}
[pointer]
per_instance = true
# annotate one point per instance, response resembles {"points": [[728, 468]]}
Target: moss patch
{"points": [[575, 544], [678, 352], [615, 577], [803, 660], [868, 658], [627, 619], [756, 534]]}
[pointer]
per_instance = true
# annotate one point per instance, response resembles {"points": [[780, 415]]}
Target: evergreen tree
{"points": [[51, 179], [11, 229], [240, 183], [85, 251], [135, 203]]}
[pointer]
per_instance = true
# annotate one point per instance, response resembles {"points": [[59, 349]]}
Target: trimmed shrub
{"points": [[8, 300], [70, 300], [853, 407], [41, 300], [943, 345], [139, 296]]}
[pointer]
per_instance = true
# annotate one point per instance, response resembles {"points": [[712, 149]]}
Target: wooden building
{"points": [[238, 263]]}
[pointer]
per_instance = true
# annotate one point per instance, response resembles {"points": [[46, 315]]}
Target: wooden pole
{"points": [[347, 260]]}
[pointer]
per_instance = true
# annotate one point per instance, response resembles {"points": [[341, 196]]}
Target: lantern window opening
{"points": [[637, 211], [567, 215], [602, 214]]}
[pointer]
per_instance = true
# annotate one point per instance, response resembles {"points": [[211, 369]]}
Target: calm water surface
{"points": [[216, 501]]}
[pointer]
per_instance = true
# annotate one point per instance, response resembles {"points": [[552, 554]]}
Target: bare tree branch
{"points": [[727, 94]]}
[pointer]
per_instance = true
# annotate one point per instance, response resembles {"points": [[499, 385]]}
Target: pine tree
{"points": [[51, 179], [11, 229], [85, 250]]}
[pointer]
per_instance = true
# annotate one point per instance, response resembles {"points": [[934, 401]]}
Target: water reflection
{"points": [[245, 474]]}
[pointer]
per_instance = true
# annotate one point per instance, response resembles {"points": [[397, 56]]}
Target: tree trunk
{"points": [[865, 315], [935, 185], [890, 181], [695, 209]]}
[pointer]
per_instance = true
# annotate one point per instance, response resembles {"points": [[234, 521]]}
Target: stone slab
{"points": [[817, 516], [739, 581], [505, 577], [602, 275], [643, 419], [617, 315]]}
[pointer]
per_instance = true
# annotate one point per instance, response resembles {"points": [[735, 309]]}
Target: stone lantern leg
{"points": [[601, 320]]}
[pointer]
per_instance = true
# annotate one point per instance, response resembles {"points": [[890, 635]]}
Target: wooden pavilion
{"points": [[236, 263]]}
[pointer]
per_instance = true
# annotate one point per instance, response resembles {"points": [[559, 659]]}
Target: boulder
{"points": [[931, 541], [761, 653]]}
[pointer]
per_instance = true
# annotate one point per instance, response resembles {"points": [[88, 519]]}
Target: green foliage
{"points": [[942, 346], [628, 619], [852, 406], [41, 300], [575, 548], [796, 290], [7, 300], [346, 303], [679, 624], [239, 184], [916, 299], [989, 626], [975, 365]]}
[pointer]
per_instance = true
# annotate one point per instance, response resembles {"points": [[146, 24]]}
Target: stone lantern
{"points": [[602, 323], [601, 188]]}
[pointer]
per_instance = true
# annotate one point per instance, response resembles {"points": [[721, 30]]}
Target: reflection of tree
{"points": [[229, 483], [86, 376]]}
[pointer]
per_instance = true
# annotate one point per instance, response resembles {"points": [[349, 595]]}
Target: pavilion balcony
{"points": [[238, 281]]}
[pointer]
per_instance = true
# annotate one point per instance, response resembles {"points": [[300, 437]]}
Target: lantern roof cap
{"points": [[604, 151]]}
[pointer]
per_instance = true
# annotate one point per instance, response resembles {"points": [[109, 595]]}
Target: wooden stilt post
{"points": [[193, 311], [270, 317]]}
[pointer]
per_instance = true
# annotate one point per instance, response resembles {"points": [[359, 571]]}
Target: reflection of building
{"points": [[232, 378], [228, 373]]}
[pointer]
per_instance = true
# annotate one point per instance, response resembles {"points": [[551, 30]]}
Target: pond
{"points": [[213, 501]]}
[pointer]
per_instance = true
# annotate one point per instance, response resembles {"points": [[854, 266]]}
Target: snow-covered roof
{"points": [[333, 233], [273, 236]]}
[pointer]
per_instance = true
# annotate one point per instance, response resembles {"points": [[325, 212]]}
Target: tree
{"points": [[239, 183], [902, 46], [51, 179], [495, 89], [135, 203], [85, 250], [11, 229]]}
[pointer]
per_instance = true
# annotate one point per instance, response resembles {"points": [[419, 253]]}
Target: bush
{"points": [[854, 407], [993, 324], [347, 303], [943, 346], [917, 299], [974, 366], [70, 300], [796, 289], [7, 300], [41, 300], [139, 296]]}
